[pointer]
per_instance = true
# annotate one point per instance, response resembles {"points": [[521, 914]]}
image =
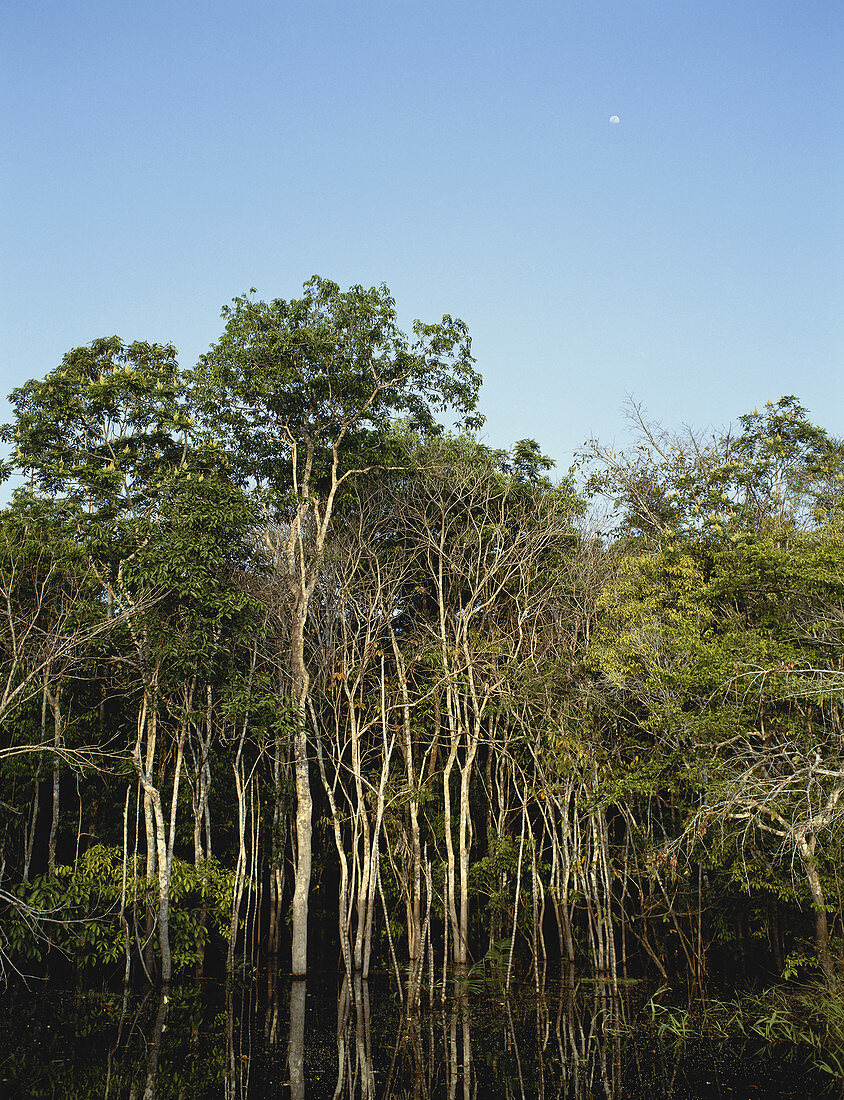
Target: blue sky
{"points": [[160, 158]]}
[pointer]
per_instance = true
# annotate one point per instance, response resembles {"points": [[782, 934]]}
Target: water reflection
{"points": [[126, 1076], [470, 1043], [242, 1010], [354, 1040], [296, 1045], [559, 1045]]}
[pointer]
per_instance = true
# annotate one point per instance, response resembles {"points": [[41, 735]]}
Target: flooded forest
{"points": [[343, 752]]}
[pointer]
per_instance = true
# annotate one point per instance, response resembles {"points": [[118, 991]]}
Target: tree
{"points": [[101, 431], [720, 633], [484, 532], [51, 622], [303, 394], [159, 528]]}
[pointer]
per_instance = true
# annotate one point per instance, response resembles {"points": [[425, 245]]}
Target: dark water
{"points": [[327, 1039]]}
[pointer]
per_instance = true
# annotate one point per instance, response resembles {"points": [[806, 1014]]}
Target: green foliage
{"points": [[666, 701], [290, 380], [802, 1022], [105, 425], [493, 874], [79, 910]]}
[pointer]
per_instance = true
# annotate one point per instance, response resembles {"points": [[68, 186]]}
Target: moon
{"points": [[614, 119]]}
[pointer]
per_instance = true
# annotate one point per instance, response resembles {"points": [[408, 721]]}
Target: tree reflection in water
{"points": [[127, 1076], [296, 1045], [474, 1043], [559, 1045], [318, 1041]]}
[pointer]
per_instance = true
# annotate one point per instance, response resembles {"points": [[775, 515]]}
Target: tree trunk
{"points": [[304, 805], [240, 867], [163, 882], [461, 953], [33, 820], [413, 899], [155, 814], [374, 870], [55, 704], [278, 843], [807, 852], [449, 899]]}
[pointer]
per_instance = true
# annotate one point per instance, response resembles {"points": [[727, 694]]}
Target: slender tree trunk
{"points": [[163, 881], [343, 896], [55, 704], [414, 899], [33, 820], [174, 801], [240, 867], [302, 564], [123, 921], [374, 868], [449, 849], [516, 900], [278, 843], [461, 957], [361, 816], [807, 851], [159, 838], [304, 805], [29, 834]]}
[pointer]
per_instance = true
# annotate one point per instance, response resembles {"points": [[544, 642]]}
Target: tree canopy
{"points": [[337, 664]]}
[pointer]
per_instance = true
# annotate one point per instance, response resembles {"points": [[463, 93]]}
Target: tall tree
{"points": [[303, 393]]}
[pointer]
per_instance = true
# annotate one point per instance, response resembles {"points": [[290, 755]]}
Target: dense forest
{"points": [[295, 676]]}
